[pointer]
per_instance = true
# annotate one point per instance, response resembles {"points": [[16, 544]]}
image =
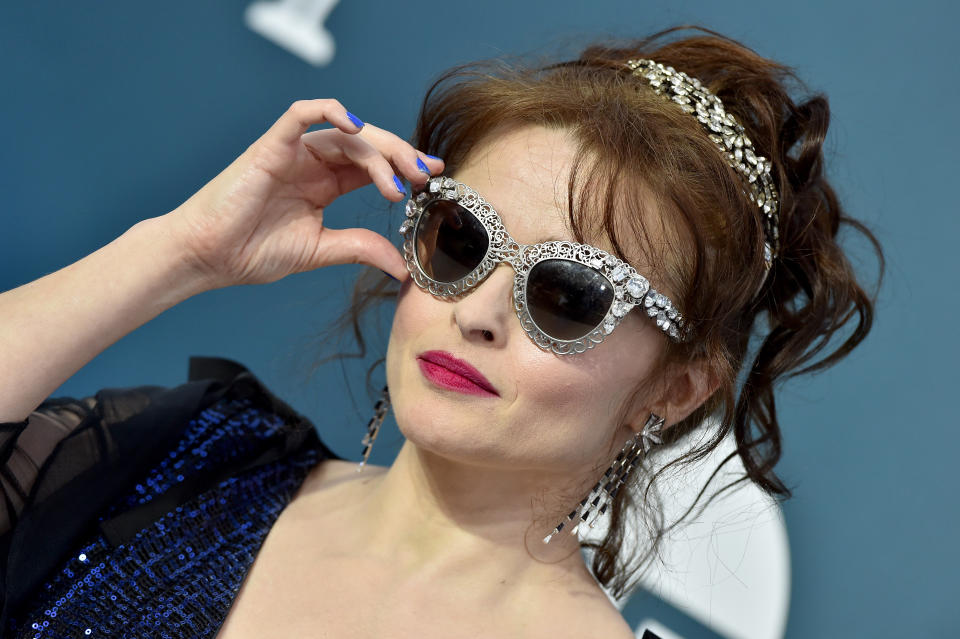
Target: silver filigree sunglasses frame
{"points": [[631, 289]]}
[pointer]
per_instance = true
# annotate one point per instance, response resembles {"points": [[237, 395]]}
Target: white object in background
{"points": [[295, 25], [729, 567]]}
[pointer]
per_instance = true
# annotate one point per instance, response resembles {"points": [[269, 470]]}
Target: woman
{"points": [[640, 210]]}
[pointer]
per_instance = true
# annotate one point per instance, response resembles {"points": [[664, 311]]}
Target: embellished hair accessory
{"points": [[729, 136]]}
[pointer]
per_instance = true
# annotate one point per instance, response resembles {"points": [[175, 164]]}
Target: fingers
{"points": [[363, 246], [409, 163], [334, 147], [351, 176], [416, 166], [303, 114], [386, 157]]}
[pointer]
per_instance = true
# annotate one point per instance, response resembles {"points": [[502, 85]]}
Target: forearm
{"points": [[51, 327]]}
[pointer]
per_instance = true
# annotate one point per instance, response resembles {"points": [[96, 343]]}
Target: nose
{"points": [[485, 312]]}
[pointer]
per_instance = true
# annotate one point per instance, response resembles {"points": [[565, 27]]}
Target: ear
{"points": [[689, 385]]}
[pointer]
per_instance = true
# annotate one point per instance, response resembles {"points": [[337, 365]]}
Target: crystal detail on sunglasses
{"points": [[661, 300], [637, 286], [406, 226], [620, 308], [434, 186], [412, 209], [630, 290], [619, 273]]}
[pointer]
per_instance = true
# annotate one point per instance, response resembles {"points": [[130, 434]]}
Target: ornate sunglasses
{"points": [[568, 296]]}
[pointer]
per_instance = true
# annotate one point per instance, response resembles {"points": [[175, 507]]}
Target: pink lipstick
{"points": [[447, 371]]}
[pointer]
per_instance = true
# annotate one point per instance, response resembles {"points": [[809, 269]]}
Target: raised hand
{"points": [[261, 218]]}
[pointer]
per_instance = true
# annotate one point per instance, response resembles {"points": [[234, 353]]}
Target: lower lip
{"points": [[446, 378]]}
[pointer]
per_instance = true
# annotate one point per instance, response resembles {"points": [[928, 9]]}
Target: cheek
{"points": [[410, 318], [583, 394], [412, 304], [571, 407], [547, 384], [415, 312], [556, 411]]}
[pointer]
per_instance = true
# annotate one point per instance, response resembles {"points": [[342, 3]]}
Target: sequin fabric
{"points": [[178, 576]]}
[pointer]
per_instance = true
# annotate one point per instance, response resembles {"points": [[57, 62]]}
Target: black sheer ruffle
{"points": [[71, 458]]}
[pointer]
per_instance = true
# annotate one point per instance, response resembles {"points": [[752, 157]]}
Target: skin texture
{"points": [[476, 472], [447, 540]]}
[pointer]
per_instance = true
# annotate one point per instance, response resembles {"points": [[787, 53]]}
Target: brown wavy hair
{"points": [[634, 143]]}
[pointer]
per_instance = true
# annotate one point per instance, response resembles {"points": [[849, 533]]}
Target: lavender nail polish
{"points": [[357, 122], [423, 167], [399, 184]]}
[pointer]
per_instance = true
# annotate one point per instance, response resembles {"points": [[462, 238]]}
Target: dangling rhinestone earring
{"points": [[373, 427], [606, 489]]}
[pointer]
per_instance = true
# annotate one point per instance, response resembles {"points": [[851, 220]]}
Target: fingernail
{"points": [[357, 122], [432, 157], [423, 167], [388, 275], [399, 184]]}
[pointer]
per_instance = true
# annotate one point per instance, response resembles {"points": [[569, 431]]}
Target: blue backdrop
{"points": [[118, 113]]}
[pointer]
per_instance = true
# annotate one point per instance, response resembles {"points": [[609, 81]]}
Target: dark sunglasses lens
{"points": [[450, 241], [567, 299]]}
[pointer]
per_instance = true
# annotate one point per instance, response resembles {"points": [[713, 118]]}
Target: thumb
{"points": [[361, 246]]}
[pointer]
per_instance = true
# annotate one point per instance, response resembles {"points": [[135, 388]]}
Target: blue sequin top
{"points": [[169, 552]]}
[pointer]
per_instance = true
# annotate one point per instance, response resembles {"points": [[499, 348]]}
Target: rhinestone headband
{"points": [[729, 136]]}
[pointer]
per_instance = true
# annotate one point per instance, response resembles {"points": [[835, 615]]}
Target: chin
{"points": [[431, 428], [447, 434]]}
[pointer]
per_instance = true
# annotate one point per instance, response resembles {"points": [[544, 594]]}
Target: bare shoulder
{"points": [[336, 472], [332, 469], [586, 612]]}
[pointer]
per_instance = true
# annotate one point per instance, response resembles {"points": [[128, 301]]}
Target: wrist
{"points": [[181, 277]]}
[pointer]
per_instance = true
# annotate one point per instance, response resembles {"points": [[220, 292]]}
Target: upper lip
{"points": [[458, 366]]}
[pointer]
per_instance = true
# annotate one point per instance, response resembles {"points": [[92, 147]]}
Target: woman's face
{"points": [[552, 413]]}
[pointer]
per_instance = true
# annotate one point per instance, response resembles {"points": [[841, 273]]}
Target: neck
{"points": [[433, 517]]}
